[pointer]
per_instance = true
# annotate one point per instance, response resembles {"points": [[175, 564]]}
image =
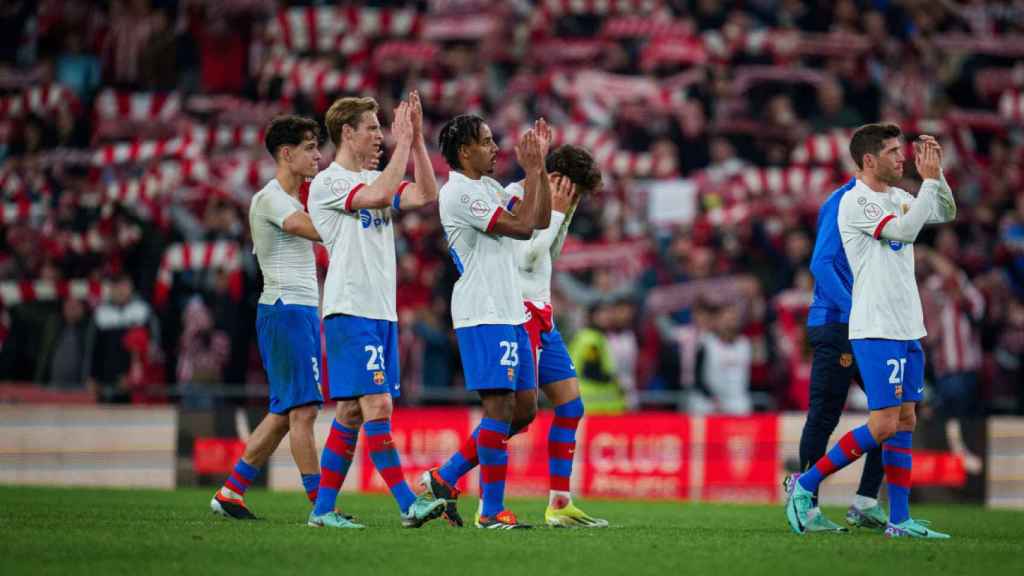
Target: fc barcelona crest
{"points": [[511, 374], [378, 377], [899, 390]]}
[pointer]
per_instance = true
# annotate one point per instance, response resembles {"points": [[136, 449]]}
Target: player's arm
{"points": [[562, 197], [563, 228], [906, 227], [541, 178], [945, 204], [300, 224], [381, 192], [521, 223], [280, 211], [826, 248], [424, 190]]}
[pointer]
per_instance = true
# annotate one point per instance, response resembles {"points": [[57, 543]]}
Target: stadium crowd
{"points": [[130, 144]]}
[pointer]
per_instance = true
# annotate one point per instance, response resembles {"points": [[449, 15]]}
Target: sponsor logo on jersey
{"points": [[479, 208], [366, 218], [846, 359]]}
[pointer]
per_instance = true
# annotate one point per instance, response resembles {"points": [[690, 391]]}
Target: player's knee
{"points": [[349, 414], [278, 424], [908, 421], [376, 406], [499, 406], [523, 416], [883, 424], [302, 418]]}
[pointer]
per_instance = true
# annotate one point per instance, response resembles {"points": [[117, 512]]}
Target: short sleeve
{"points": [[862, 214], [276, 207], [475, 207], [334, 192], [514, 194]]}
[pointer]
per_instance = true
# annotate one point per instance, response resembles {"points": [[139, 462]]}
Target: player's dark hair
{"points": [[576, 164], [460, 131], [289, 130], [869, 139]]}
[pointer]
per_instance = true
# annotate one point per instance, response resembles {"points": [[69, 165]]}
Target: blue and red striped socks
{"points": [[385, 459], [311, 484], [561, 447], [243, 475], [335, 461], [851, 446], [462, 461], [492, 450], [898, 462]]}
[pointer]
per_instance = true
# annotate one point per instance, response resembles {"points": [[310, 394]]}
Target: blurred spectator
{"points": [[107, 359], [1013, 241], [67, 352], [202, 356], [722, 368], [1009, 353], [438, 346], [77, 69], [595, 365], [953, 309], [832, 109], [622, 344], [131, 24], [158, 61], [145, 375]]}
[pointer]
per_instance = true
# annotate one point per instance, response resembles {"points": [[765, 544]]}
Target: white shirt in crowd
{"points": [[725, 368]]}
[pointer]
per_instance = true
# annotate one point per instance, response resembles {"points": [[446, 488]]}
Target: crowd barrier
{"points": [[647, 455]]}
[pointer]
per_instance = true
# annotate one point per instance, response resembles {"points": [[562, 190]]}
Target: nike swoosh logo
{"points": [[920, 390]]}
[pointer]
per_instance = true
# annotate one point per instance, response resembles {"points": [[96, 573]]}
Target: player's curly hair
{"points": [[289, 130], [577, 164], [460, 131], [869, 138]]}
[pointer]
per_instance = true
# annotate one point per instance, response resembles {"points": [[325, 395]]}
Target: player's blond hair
{"points": [[348, 110]]}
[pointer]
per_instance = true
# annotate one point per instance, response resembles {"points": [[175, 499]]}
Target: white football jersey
{"points": [[362, 277], [878, 230], [487, 291], [535, 257], [286, 260]]}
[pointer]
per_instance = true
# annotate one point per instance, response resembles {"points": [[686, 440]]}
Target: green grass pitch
{"points": [[85, 531]]}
